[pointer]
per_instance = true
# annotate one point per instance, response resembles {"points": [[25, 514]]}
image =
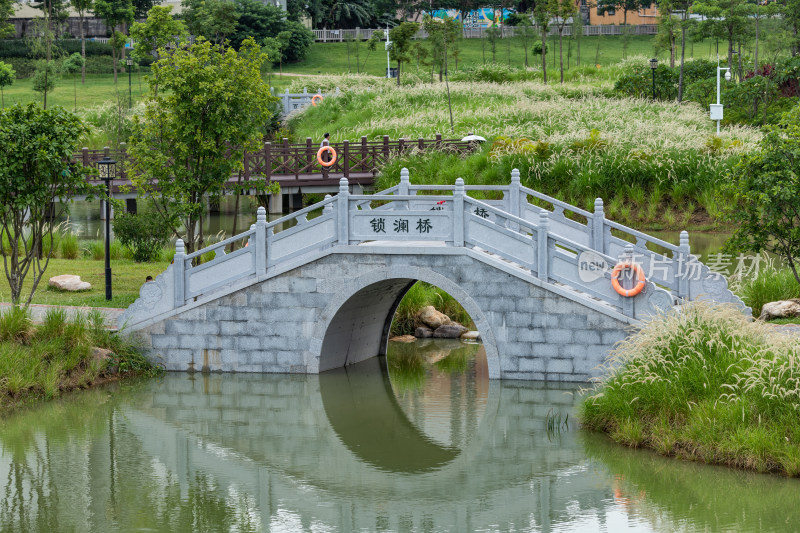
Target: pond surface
{"points": [[431, 445]]}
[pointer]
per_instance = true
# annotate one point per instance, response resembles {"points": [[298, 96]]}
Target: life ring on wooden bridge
{"points": [[640, 279], [333, 156], [316, 98]]}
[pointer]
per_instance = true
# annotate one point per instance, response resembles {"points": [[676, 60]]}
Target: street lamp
{"points": [[716, 109], [129, 64], [107, 169], [653, 67]]}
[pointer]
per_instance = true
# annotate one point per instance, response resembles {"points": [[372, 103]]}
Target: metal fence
{"points": [[363, 34]]}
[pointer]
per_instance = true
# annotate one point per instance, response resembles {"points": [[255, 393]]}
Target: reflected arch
{"points": [[355, 325]]}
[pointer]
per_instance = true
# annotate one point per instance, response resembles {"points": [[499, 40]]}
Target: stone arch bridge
{"points": [[533, 273]]}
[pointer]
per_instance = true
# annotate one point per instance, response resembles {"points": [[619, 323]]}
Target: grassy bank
{"points": [[41, 361], [704, 385], [658, 164]]}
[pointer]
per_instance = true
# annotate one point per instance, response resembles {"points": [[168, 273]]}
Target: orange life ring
{"points": [[316, 98], [640, 279], [333, 156]]}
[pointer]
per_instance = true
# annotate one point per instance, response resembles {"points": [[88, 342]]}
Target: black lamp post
{"points": [[653, 67], [107, 169], [129, 64]]}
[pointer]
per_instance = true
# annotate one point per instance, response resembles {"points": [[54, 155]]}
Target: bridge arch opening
{"points": [[360, 323]]}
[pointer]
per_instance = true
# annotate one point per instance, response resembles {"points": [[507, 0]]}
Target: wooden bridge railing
{"points": [[299, 160]]}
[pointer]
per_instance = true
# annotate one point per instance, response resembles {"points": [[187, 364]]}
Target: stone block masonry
{"points": [[336, 310]]}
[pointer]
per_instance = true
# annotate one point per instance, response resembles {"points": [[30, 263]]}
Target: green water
{"points": [[434, 447]]}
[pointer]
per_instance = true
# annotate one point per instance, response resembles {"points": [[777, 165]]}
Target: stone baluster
{"points": [[458, 213], [405, 181], [179, 264], [542, 253], [261, 242], [343, 214], [627, 256], [598, 226], [329, 206], [513, 203], [681, 269], [270, 237]]}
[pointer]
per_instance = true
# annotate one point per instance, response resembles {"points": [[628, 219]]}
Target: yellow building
{"points": [[646, 15]]}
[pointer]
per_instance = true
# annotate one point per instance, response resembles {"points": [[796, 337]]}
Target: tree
{"points": [[213, 19], [668, 25], [258, 20], [115, 13], [758, 12], [726, 19], [74, 64], [36, 170], [442, 33], [82, 7], [6, 10], [625, 6], [159, 30], [44, 78], [348, 13], [192, 135], [142, 7], [526, 32], [763, 195], [562, 11], [401, 47], [541, 13], [790, 14], [492, 35], [7, 77]]}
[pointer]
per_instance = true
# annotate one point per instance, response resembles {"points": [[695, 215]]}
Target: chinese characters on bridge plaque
{"points": [[400, 225]]}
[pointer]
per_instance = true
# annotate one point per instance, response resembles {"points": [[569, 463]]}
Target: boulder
{"points": [[69, 282], [781, 309], [103, 357], [432, 318], [423, 333], [471, 336], [449, 331], [403, 338]]}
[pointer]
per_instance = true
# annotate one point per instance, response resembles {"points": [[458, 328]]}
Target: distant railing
{"points": [[299, 160], [363, 34], [293, 101]]}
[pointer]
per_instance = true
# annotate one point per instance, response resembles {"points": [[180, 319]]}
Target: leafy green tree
{"points": [[213, 19], [348, 13], [401, 44], [6, 10], [542, 15], [763, 195], [74, 64], [790, 14], [115, 13], [442, 33], [759, 12], [259, 20], [668, 25], [192, 135], [726, 19], [82, 7], [562, 11], [159, 30], [44, 78], [36, 169], [7, 77], [271, 48], [493, 36], [142, 7]]}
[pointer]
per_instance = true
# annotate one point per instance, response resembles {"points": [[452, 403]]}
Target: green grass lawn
{"points": [[127, 278], [332, 58]]}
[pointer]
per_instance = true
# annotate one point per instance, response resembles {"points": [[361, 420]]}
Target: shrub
{"points": [[716, 387], [770, 284], [68, 246], [144, 235]]}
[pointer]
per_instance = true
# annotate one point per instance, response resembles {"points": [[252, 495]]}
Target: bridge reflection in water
{"points": [[351, 450]]}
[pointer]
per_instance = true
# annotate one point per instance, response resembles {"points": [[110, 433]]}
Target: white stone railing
{"points": [[554, 246], [293, 101]]}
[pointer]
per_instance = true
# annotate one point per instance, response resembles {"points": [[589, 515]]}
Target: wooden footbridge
{"points": [[294, 165]]}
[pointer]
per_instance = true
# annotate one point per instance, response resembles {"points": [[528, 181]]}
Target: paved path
{"points": [[788, 329], [38, 311]]}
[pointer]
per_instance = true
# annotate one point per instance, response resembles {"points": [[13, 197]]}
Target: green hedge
{"points": [[20, 48]]}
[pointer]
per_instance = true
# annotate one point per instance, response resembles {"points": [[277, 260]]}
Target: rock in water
{"points": [[432, 318], [471, 336], [781, 309], [423, 333], [69, 282], [449, 331], [403, 338]]}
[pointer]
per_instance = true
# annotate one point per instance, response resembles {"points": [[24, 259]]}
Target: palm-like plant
{"points": [[349, 13]]}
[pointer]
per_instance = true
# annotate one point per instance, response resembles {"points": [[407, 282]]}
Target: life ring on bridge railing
{"points": [[333, 156], [640, 279], [316, 98]]}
